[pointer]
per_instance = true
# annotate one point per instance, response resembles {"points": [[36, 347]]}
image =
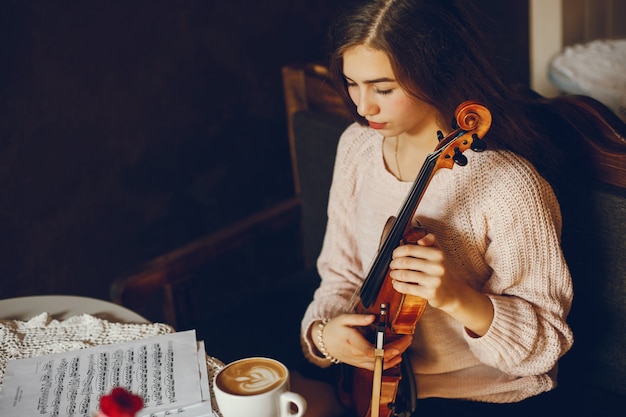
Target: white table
{"points": [[61, 307]]}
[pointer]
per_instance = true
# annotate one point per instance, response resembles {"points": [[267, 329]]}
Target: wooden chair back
{"points": [[307, 88], [592, 194]]}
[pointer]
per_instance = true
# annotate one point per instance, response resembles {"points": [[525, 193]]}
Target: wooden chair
{"points": [[316, 117]]}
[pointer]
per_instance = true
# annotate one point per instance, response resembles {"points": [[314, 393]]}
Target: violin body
{"points": [[400, 313], [402, 323], [409, 308], [362, 383]]}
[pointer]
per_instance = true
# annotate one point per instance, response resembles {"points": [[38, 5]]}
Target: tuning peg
{"points": [[459, 158], [439, 135], [478, 145]]}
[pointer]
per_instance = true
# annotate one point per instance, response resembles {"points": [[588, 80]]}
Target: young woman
{"points": [[491, 265]]}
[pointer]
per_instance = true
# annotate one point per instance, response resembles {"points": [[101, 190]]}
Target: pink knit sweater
{"points": [[499, 224]]}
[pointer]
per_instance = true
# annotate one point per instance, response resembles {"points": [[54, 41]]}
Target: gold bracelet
{"points": [[320, 340]]}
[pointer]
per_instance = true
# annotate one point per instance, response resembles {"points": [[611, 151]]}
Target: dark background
{"points": [[130, 128]]}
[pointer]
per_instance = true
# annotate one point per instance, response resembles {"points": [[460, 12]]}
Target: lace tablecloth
{"points": [[42, 335]]}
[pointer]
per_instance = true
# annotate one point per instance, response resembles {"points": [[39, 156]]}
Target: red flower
{"points": [[120, 403]]}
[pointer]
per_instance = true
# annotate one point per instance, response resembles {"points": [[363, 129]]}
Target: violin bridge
{"points": [[383, 321]]}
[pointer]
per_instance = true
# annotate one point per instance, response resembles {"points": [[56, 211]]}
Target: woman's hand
{"points": [[344, 341], [420, 270]]}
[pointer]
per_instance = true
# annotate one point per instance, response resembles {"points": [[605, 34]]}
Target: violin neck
{"points": [[378, 270]]}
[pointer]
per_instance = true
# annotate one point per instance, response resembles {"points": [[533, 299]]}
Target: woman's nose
{"points": [[366, 106]]}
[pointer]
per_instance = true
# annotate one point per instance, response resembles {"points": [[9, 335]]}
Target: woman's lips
{"points": [[375, 125]]}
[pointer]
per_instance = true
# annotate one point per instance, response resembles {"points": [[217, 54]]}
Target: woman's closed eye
{"points": [[382, 91], [378, 90]]}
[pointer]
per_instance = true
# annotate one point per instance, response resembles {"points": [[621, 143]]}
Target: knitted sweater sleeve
{"points": [[339, 270], [530, 286]]}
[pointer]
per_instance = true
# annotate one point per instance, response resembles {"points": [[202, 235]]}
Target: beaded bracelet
{"points": [[322, 346]]}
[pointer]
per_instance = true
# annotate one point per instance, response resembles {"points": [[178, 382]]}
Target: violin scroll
{"points": [[473, 121], [473, 116]]}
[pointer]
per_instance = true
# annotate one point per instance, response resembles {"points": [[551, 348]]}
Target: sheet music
{"points": [[168, 372]]}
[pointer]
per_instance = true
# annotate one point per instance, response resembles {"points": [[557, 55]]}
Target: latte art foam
{"points": [[259, 379], [251, 376]]}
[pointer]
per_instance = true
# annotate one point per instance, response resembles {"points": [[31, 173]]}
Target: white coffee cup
{"points": [[256, 387]]}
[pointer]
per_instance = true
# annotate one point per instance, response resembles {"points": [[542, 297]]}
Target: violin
{"points": [[373, 393]]}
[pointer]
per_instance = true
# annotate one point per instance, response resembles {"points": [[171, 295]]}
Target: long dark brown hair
{"points": [[439, 56]]}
